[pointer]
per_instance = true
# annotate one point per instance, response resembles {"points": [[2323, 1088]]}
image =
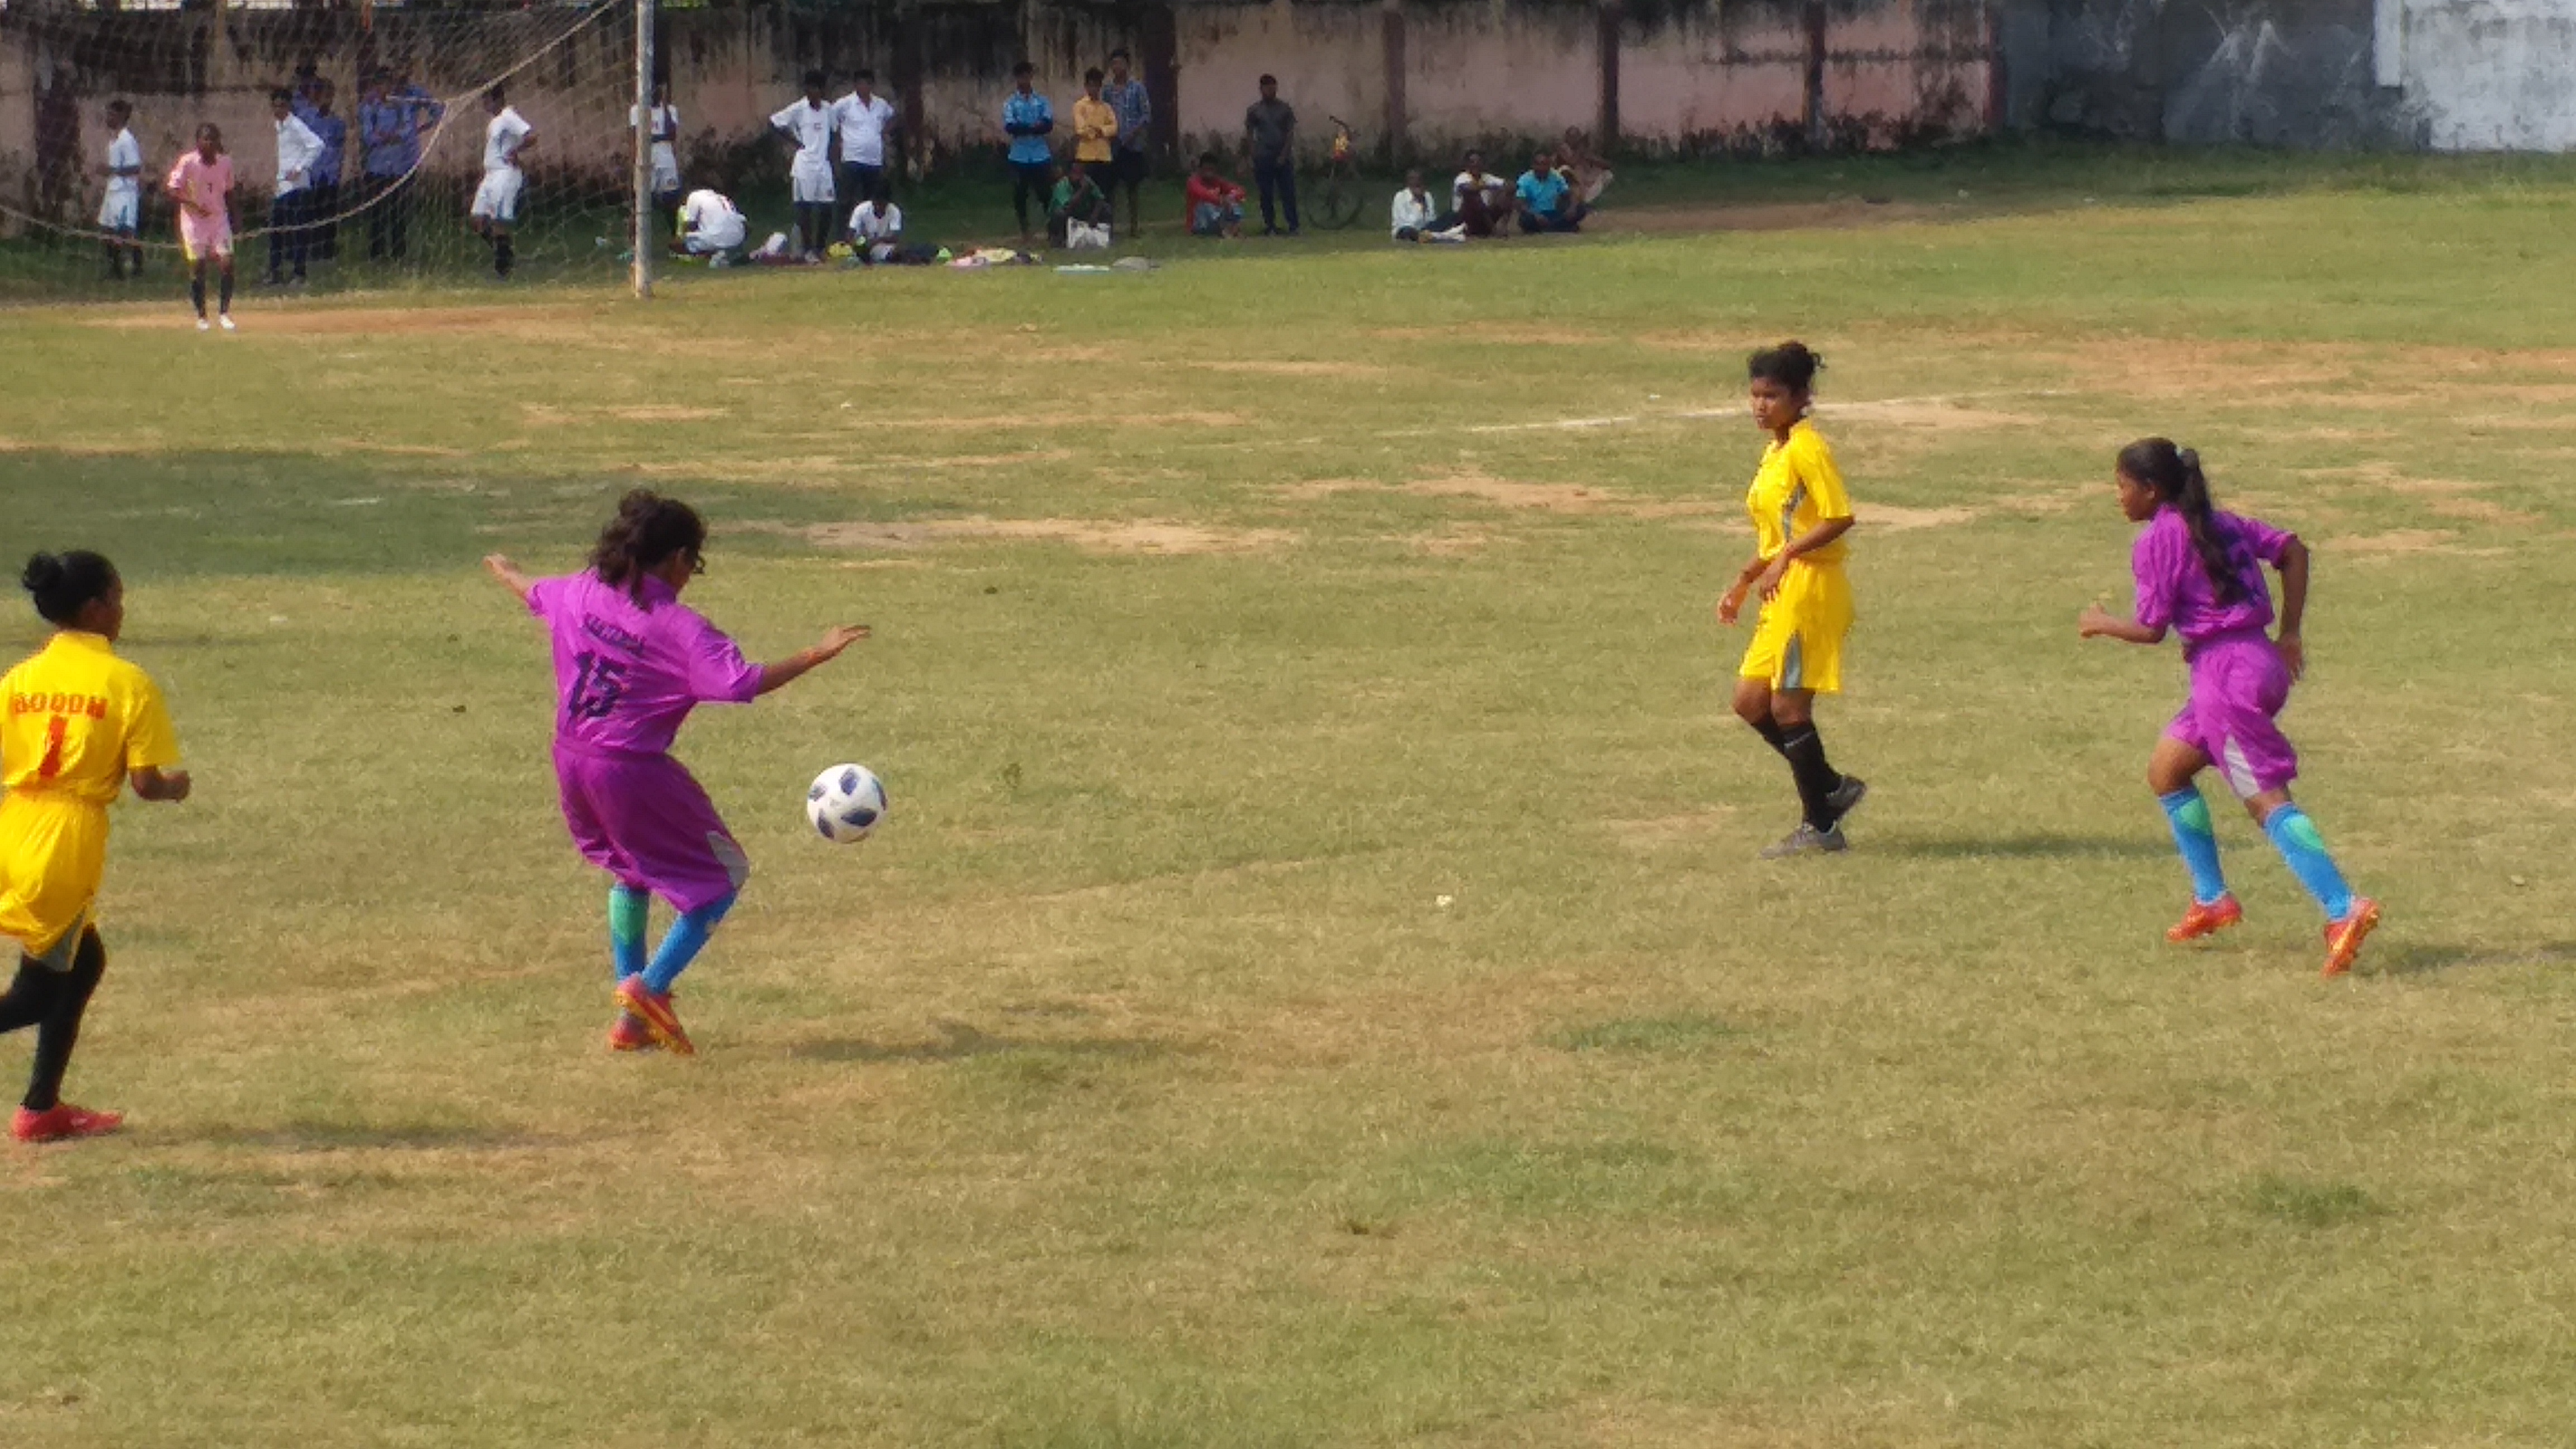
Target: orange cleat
{"points": [[630, 1034], [63, 1123], [2206, 920], [2344, 937], [655, 1011]]}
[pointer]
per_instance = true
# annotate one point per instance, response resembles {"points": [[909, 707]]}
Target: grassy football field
{"points": [[1315, 987]]}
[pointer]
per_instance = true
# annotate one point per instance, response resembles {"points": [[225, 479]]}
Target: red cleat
{"points": [[2344, 937], [655, 1011], [630, 1034], [63, 1123], [2206, 920]]}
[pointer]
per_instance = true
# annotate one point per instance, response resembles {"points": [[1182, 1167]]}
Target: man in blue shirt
{"points": [[1135, 107], [1028, 120], [322, 198], [391, 119], [1546, 199]]}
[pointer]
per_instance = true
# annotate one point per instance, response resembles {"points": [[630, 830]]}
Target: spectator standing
{"points": [[1095, 130], [390, 120], [495, 213], [1546, 199], [120, 210], [1214, 204], [865, 118], [1270, 135], [314, 108], [1028, 120], [1417, 218], [1128, 97], [808, 125], [665, 140], [297, 149]]}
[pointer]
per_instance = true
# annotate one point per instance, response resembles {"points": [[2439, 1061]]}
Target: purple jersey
{"points": [[628, 673], [2175, 590]]}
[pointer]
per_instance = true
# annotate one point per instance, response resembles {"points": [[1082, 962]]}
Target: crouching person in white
{"points": [[506, 138], [876, 228], [710, 226]]}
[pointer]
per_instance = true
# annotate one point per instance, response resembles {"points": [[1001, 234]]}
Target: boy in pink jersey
{"points": [[202, 186], [631, 661]]}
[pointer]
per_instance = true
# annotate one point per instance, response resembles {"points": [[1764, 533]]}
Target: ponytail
{"points": [[2174, 475], [648, 531], [63, 584]]}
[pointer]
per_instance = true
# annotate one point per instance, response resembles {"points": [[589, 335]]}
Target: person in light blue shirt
{"points": [[1028, 120], [313, 108], [1546, 199], [391, 118]]}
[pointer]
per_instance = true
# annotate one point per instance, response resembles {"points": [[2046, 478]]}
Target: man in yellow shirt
{"points": [[1095, 126], [76, 723]]}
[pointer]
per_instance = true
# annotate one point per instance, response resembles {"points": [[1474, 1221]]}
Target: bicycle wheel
{"points": [[1340, 203]]}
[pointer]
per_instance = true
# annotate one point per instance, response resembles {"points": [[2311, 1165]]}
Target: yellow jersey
{"points": [[74, 719], [1797, 488]]}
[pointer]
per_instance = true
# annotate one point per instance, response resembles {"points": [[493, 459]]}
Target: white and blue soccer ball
{"points": [[846, 803]]}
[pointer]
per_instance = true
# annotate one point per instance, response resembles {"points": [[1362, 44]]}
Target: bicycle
{"points": [[1338, 203]]}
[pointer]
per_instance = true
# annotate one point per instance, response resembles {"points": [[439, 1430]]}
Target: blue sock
{"points": [[681, 945], [2295, 836], [2188, 814], [626, 910]]}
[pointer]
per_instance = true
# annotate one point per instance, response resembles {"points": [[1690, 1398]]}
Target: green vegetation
{"points": [[1315, 987]]}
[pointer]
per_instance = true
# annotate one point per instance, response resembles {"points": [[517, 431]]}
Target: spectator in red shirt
{"points": [[1215, 204]]}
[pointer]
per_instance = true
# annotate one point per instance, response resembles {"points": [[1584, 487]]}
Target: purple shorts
{"points": [[645, 820], [2238, 685]]}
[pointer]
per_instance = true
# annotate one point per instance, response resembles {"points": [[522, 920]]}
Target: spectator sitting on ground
{"points": [[1482, 200], [1584, 167], [710, 226], [1546, 199], [1215, 204], [876, 227], [1417, 219], [1078, 201]]}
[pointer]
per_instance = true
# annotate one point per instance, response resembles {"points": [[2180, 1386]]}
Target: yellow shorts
{"points": [[53, 851], [1798, 643]]}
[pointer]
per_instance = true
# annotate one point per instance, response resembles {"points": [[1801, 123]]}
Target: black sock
{"points": [[197, 294], [61, 1026], [503, 258], [1805, 752], [223, 295], [1769, 729], [30, 997]]}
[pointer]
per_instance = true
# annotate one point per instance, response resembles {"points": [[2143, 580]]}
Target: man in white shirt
{"points": [[120, 212], [1418, 218], [876, 228], [297, 149], [665, 138], [865, 117], [1482, 200], [808, 123], [710, 225], [506, 137]]}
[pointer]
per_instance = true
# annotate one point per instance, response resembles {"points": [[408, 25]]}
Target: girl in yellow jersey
{"points": [[76, 723], [1800, 514]]}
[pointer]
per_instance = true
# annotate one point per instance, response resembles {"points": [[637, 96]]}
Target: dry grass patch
{"points": [[1092, 535]]}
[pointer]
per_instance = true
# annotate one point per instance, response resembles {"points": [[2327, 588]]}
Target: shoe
{"points": [[655, 1010], [1846, 797], [630, 1034], [1807, 838], [227, 321], [63, 1123], [2344, 937], [205, 326], [2206, 920]]}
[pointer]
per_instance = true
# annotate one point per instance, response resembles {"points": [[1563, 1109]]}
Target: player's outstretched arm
{"points": [[2097, 622], [153, 783], [795, 666], [500, 567]]}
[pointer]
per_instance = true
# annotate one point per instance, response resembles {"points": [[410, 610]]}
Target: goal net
{"points": [[391, 102]]}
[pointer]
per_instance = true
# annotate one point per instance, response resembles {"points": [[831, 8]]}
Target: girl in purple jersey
{"points": [[631, 661], [2199, 573]]}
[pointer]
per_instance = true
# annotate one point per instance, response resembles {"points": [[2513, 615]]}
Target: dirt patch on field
{"points": [[2479, 510], [1092, 535], [539, 322], [1839, 215], [1292, 369], [1661, 830], [1479, 486], [2403, 542], [1500, 334], [1893, 519], [547, 415], [1023, 422], [1939, 413]]}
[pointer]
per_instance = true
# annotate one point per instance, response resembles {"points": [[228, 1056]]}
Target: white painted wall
{"points": [[2485, 75]]}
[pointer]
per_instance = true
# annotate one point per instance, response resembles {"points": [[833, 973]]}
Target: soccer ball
{"points": [[846, 803]]}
